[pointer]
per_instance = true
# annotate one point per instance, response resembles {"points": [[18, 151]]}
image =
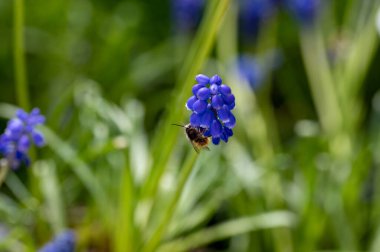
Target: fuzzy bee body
{"points": [[196, 137]]}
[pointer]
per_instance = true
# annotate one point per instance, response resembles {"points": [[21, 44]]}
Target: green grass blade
{"points": [[18, 53], [187, 168], [50, 188], [125, 231], [80, 168], [230, 228]]}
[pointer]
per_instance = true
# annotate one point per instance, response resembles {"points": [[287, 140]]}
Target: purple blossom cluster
{"points": [[19, 135], [211, 105], [64, 242]]}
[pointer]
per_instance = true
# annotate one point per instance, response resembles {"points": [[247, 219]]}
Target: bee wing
{"points": [[198, 147], [195, 146]]}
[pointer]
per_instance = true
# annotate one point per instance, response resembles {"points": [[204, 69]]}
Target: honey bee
{"points": [[196, 137]]}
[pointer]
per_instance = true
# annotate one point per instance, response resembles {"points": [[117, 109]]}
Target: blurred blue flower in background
{"points": [[211, 105], [19, 135], [255, 69], [64, 242], [250, 70], [305, 11], [252, 13], [187, 14]]}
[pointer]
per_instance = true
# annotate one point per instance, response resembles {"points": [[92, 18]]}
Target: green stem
{"points": [[321, 81], [198, 53], [160, 231], [164, 142], [355, 67], [125, 228], [3, 170], [18, 53]]}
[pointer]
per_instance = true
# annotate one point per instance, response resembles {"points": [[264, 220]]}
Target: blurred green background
{"points": [[301, 172]]}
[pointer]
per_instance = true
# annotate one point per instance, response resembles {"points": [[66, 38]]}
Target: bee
{"points": [[196, 137]]}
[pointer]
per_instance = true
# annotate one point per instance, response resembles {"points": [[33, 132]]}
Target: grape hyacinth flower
{"points": [[305, 11], [254, 70], [187, 14], [64, 242], [250, 70], [252, 14], [211, 105], [20, 133]]}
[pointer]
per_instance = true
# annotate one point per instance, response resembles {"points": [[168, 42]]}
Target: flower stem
{"points": [[152, 244], [125, 231], [164, 143], [3, 170], [18, 54], [321, 81]]}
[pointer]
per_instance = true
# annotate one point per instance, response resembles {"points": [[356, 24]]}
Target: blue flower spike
{"points": [[211, 105], [19, 135], [64, 242]]}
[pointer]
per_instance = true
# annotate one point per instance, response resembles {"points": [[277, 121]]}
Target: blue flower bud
{"points": [[216, 80], [190, 102], [15, 127], [217, 102], [199, 106], [206, 119], [229, 99], [38, 138], [224, 89], [228, 132], [22, 115], [35, 118], [195, 120], [207, 133], [196, 88], [23, 144], [203, 93], [224, 114], [231, 106], [202, 79], [215, 140], [214, 89], [231, 122], [216, 128], [224, 137]]}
